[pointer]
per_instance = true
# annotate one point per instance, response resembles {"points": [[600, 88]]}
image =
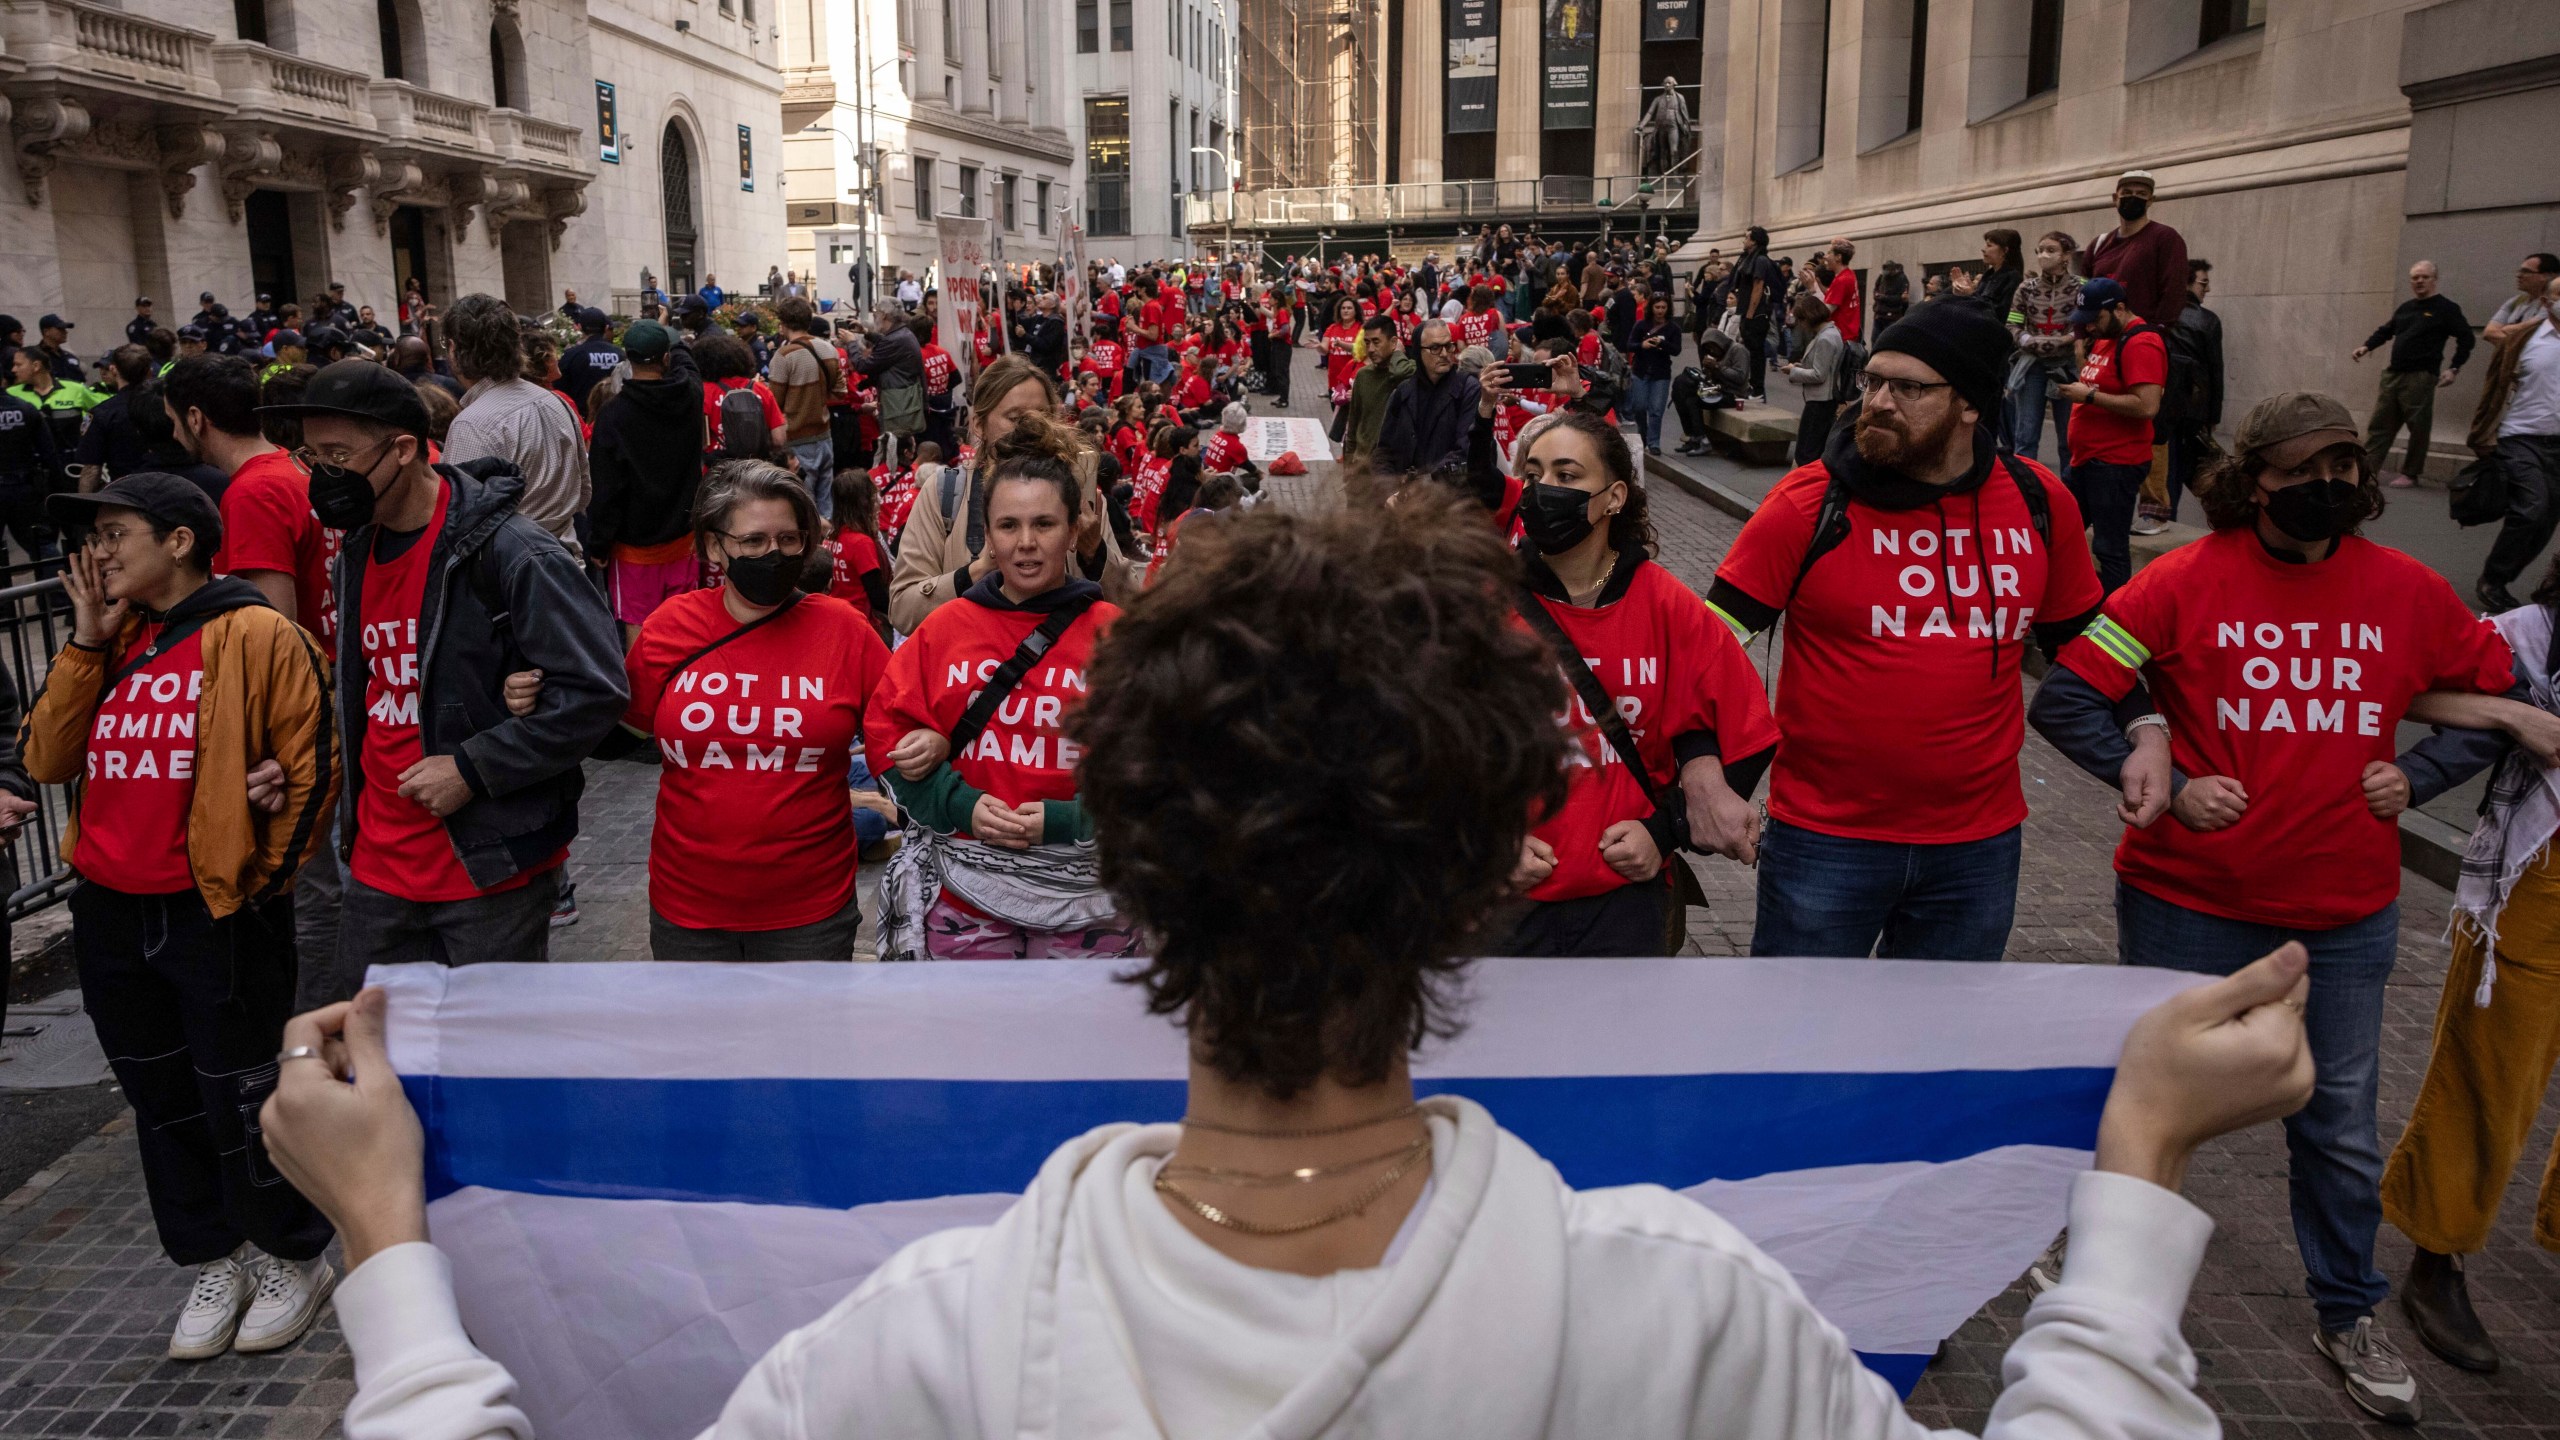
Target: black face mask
{"points": [[2316, 510], [1557, 517], [2133, 207], [767, 579], [343, 498]]}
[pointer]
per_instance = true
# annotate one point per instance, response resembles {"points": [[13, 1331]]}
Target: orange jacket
{"points": [[266, 696]]}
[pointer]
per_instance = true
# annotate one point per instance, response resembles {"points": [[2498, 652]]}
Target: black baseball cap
{"points": [[282, 338], [359, 390], [594, 321], [321, 337], [141, 300], [191, 332], [168, 499], [53, 322], [204, 297]]}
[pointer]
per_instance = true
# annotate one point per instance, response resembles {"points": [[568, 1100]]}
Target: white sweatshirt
{"points": [[1512, 1307]]}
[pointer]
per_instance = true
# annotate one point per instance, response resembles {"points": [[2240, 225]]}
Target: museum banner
{"points": [[1572, 63], [1475, 49]]}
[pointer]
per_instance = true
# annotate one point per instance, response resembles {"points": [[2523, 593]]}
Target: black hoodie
{"points": [[646, 460]]}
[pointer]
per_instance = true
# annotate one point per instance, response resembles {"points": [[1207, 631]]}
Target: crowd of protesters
{"points": [[352, 611]]}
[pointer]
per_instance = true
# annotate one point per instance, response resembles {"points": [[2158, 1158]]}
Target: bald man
{"points": [[2417, 333]]}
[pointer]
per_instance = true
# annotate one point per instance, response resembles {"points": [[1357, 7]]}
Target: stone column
{"points": [[1426, 60], [1623, 92], [1520, 121]]}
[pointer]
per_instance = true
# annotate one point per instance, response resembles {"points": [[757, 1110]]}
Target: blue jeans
{"points": [[1154, 362], [2028, 403], [818, 471], [2107, 492], [1830, 895], [1646, 398], [2336, 1157], [870, 827]]}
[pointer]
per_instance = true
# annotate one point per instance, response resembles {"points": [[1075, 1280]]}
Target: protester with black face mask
{"points": [[456, 814], [1601, 871], [2283, 651], [753, 694], [2144, 256]]}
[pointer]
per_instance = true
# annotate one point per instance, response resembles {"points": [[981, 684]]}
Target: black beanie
{"points": [[1962, 341]]}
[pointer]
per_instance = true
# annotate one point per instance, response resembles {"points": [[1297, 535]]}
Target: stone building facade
{"points": [[899, 113], [279, 145], [2278, 130]]}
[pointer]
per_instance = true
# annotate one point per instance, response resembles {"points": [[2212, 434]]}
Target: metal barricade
{"points": [[34, 623]]}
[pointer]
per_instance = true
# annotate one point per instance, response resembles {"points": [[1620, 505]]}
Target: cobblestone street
{"points": [[86, 1298]]}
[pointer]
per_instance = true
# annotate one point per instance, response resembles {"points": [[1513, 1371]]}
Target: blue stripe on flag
{"points": [[840, 1143]]}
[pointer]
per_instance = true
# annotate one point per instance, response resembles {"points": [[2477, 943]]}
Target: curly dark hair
{"points": [[2228, 489], [1633, 524], [1311, 754], [722, 356], [488, 340]]}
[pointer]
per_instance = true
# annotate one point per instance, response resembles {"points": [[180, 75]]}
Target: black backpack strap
{"points": [[973, 722], [1830, 527], [161, 644], [2038, 501]]}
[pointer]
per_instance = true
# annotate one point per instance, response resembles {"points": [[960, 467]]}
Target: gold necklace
{"points": [[1214, 1127], [1219, 1217], [1300, 1176]]}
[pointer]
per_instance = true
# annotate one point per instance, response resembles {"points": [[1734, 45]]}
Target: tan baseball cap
{"points": [[2286, 429]]}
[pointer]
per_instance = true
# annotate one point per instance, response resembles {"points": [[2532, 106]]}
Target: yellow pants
{"points": [[2485, 1082]]}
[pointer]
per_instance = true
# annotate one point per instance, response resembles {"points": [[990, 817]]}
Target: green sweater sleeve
{"points": [[941, 801], [1063, 822]]}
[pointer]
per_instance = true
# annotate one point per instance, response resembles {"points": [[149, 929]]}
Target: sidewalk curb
{"points": [[2428, 845]]}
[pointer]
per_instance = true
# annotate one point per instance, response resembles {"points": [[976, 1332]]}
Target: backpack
{"points": [[1831, 520], [902, 409], [743, 433], [1604, 381], [1853, 364]]}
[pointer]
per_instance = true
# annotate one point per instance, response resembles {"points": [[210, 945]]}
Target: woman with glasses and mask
{"points": [[1598, 870], [753, 694], [2263, 798], [969, 725], [182, 924]]}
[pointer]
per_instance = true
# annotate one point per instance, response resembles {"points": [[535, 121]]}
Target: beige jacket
{"points": [[930, 556]]}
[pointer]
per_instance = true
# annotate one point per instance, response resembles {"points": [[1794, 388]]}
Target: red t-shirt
{"points": [[1161, 315], [1476, 327], [141, 775], [1146, 490], [1222, 452], [1673, 671], [1903, 720], [753, 830], [267, 524], [1339, 366], [1408, 325], [401, 847], [1842, 297], [2101, 434], [712, 390], [1586, 351], [2289, 679], [939, 370], [1106, 359], [1192, 391], [854, 556], [1024, 754]]}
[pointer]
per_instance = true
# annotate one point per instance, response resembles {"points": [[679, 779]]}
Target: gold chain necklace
{"points": [[1225, 1221], [1214, 1127], [1300, 1176]]}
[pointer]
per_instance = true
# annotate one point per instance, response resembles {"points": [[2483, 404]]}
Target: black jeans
{"points": [[2107, 492], [375, 928], [191, 1012], [1630, 920], [2532, 466], [1755, 343]]}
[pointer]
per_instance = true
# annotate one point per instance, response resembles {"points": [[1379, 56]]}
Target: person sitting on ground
{"points": [[1315, 1250]]}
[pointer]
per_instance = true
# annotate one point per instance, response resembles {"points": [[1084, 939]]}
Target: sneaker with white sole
{"points": [[212, 1312], [2046, 1273], [290, 1294], [2377, 1378]]}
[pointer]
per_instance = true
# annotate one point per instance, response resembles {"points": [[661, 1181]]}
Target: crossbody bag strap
{"points": [[161, 644], [973, 722], [740, 633], [1595, 696]]}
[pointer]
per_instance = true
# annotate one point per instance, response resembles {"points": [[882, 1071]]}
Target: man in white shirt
{"points": [[2526, 306], [2529, 453]]}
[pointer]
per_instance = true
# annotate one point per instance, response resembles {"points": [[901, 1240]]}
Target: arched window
{"points": [[507, 88], [404, 40], [675, 197]]}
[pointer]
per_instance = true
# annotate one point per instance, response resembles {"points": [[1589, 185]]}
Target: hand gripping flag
{"points": [[645, 1175]]}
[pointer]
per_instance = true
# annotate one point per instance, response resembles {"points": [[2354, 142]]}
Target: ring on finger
{"points": [[300, 1052]]}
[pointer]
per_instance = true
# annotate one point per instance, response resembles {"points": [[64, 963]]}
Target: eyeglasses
{"points": [[1902, 391], [110, 540], [750, 547], [339, 457], [1441, 348]]}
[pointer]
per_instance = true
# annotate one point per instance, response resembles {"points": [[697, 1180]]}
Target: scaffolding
{"points": [[1314, 93]]}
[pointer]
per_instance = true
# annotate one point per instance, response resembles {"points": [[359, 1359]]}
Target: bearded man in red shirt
{"points": [[1914, 563]]}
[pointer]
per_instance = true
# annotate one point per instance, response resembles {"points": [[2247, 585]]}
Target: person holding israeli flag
{"points": [[1311, 1251]]}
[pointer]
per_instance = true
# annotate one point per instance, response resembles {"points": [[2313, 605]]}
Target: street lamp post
{"points": [[866, 173]]}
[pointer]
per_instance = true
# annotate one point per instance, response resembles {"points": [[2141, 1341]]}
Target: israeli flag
{"points": [[646, 1175]]}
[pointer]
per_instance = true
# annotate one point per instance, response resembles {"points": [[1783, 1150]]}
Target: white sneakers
{"points": [[250, 1302]]}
